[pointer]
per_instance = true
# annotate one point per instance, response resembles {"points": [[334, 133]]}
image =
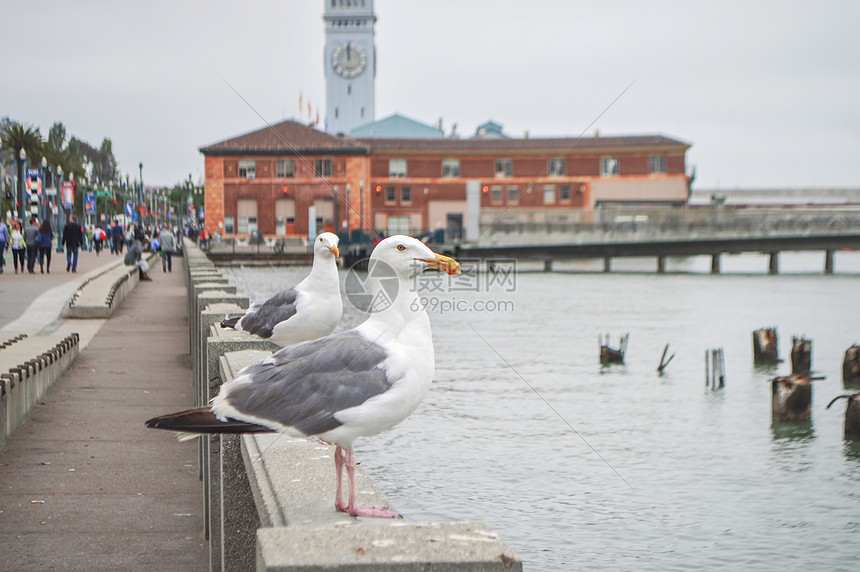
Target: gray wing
{"points": [[308, 383], [261, 319]]}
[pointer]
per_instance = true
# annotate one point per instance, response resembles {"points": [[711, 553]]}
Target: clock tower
{"points": [[350, 64]]}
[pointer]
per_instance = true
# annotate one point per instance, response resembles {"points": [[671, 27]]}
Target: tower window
{"points": [[349, 89], [336, 112]]}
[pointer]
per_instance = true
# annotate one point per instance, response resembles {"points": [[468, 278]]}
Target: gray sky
{"points": [[767, 92]]}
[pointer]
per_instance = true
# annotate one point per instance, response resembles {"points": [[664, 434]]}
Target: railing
{"points": [[674, 221]]}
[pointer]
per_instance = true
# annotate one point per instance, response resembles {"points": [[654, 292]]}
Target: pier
{"points": [[660, 233]]}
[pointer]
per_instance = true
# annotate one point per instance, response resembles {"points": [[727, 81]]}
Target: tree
{"points": [[104, 164], [57, 136], [16, 136]]}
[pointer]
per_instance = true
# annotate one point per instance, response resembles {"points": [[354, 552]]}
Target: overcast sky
{"points": [[767, 92]]}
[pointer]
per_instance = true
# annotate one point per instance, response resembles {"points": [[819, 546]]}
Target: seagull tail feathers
{"points": [[194, 422], [231, 322]]}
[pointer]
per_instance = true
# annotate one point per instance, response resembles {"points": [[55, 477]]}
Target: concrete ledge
{"points": [[443, 547], [27, 369], [101, 295]]}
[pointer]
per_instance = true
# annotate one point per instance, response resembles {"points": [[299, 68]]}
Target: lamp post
{"points": [[140, 195], [23, 155], [59, 202], [44, 185]]}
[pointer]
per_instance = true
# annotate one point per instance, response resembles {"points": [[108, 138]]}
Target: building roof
{"points": [[489, 129], [537, 144], [398, 126], [286, 138], [294, 138]]}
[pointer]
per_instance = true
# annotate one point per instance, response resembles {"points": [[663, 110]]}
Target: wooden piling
{"points": [[765, 347], [664, 363], [791, 397], [801, 355], [715, 264], [607, 264], [609, 355], [715, 368], [852, 415], [661, 264], [851, 367]]}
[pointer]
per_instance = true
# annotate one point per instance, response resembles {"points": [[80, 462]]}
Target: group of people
{"points": [[34, 242], [163, 242]]}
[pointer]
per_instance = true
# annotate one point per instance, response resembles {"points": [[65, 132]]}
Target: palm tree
{"points": [[17, 137]]}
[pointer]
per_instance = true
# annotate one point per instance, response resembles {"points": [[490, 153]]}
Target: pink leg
{"points": [[339, 505], [355, 509]]}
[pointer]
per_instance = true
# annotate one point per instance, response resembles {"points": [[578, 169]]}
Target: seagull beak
{"points": [[334, 250], [442, 263]]}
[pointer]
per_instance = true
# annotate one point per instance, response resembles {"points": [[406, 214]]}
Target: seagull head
{"points": [[403, 253], [326, 243]]}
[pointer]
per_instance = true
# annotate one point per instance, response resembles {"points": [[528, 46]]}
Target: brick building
{"points": [[268, 180]]}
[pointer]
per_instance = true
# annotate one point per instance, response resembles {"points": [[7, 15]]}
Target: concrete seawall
{"points": [[268, 498]]}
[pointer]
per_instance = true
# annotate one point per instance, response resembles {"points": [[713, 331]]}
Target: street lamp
{"points": [[59, 202], [23, 156], [44, 185], [140, 196]]}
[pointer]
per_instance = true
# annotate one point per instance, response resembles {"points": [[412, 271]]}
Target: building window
{"points": [[285, 216], [513, 194], [549, 195], [564, 194], [247, 169], [390, 194], [496, 195], [658, 164], [284, 169], [322, 167], [399, 225], [396, 168], [609, 166], [504, 168], [246, 219], [406, 195], [450, 167], [557, 168], [228, 225]]}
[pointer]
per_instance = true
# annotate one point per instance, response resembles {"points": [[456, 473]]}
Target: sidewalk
{"points": [[83, 485], [18, 291]]}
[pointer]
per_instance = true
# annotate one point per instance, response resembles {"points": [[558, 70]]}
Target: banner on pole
{"points": [[91, 202]]}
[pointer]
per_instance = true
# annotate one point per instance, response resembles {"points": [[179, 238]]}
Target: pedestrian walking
{"points": [[46, 239], [31, 240], [117, 237], [98, 239], [73, 238], [89, 234], [18, 246], [168, 246], [5, 239]]}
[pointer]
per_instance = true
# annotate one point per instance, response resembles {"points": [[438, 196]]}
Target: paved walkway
{"points": [[83, 486]]}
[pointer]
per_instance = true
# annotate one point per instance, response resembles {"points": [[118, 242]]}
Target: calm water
{"points": [[589, 468]]}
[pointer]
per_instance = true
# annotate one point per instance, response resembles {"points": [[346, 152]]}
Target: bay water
{"points": [[583, 467]]}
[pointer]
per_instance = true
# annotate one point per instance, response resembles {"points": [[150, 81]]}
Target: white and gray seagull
{"points": [[351, 384], [309, 310]]}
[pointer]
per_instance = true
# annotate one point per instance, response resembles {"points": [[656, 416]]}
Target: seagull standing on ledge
{"points": [[309, 310], [352, 384]]}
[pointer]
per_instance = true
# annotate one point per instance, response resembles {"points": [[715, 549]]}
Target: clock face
{"points": [[348, 59]]}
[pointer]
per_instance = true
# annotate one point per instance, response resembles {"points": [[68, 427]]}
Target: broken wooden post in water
{"points": [[664, 363], [851, 367], [801, 355], [765, 347], [715, 368], [791, 397], [609, 355], [852, 415]]}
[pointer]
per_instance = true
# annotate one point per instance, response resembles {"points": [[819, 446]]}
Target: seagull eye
{"points": [[401, 248]]}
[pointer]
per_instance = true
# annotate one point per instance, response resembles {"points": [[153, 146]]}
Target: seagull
{"points": [[309, 310], [352, 384]]}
